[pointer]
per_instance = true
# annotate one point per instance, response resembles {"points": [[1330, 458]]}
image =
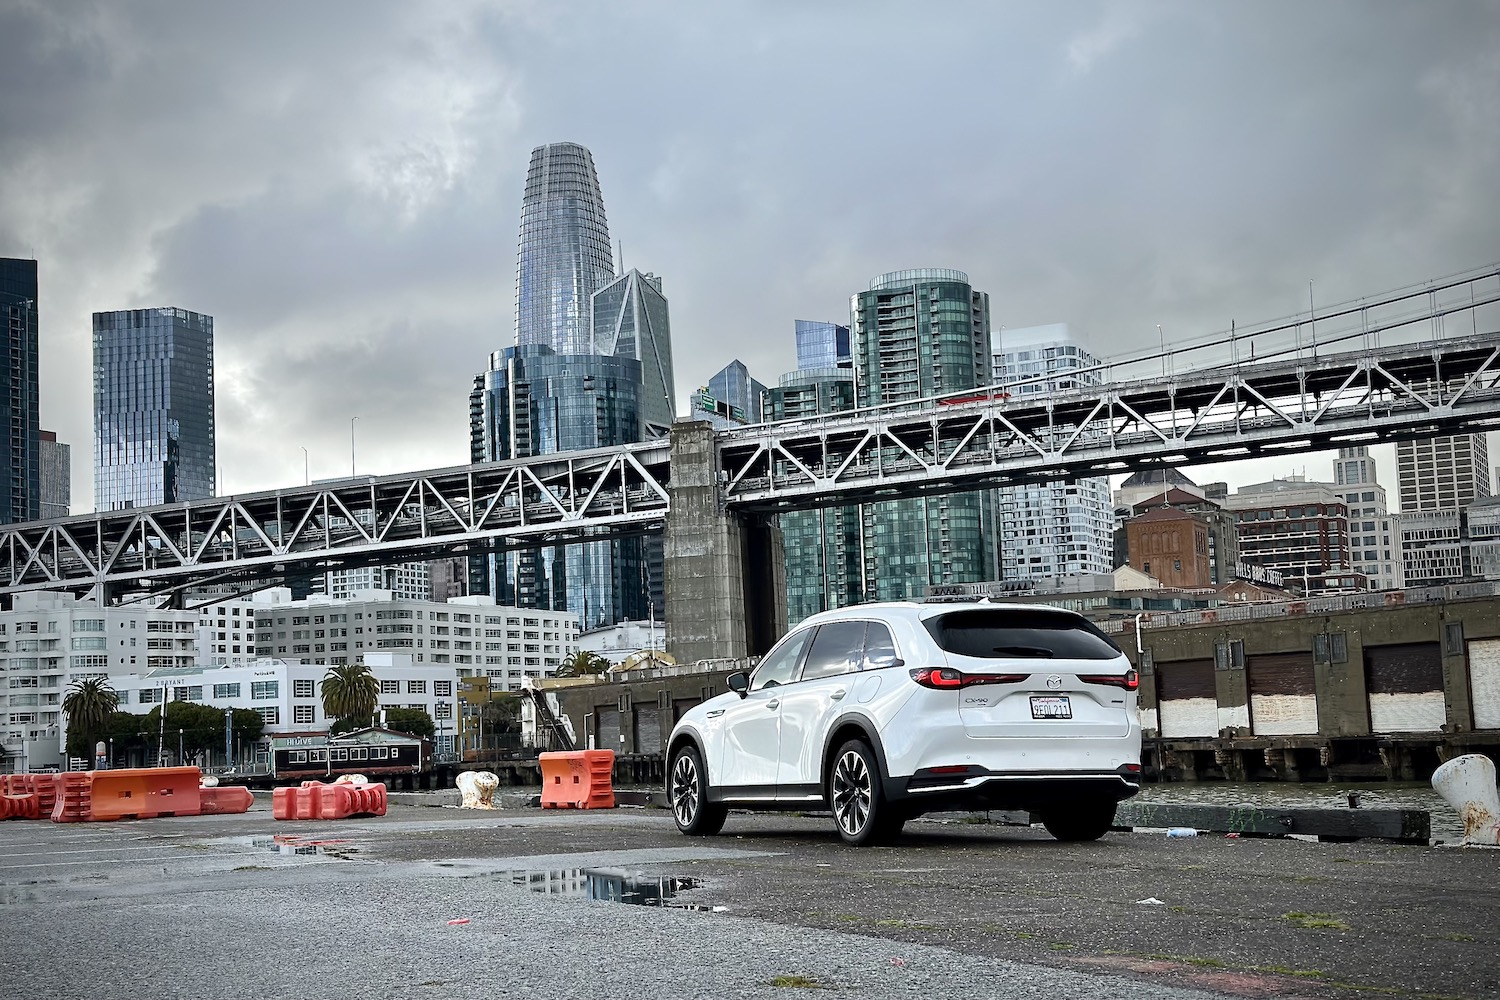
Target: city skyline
{"points": [[354, 237]]}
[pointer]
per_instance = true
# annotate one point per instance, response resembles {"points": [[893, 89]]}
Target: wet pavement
{"points": [[957, 900]]}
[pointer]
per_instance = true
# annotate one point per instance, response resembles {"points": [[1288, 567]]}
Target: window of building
{"points": [[271, 716], [264, 691], [304, 714], [302, 689]]}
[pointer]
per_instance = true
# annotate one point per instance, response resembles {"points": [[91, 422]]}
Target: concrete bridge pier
{"points": [[725, 573]]}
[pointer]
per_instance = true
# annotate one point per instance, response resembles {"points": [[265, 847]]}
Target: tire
{"points": [[687, 795], [1080, 821], [860, 810]]}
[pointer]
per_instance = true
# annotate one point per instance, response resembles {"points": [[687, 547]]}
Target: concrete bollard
{"points": [[1467, 784], [477, 789]]}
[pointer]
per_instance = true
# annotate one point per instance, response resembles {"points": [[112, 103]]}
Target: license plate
{"points": [[1051, 707]]}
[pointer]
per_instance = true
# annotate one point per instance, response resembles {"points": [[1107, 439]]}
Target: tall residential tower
{"points": [[20, 486]]}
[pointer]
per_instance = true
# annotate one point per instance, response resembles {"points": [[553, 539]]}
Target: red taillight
{"points": [[945, 678], [1130, 680]]}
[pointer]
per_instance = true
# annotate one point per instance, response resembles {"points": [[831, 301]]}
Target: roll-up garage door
{"points": [[1405, 687], [1484, 682], [1186, 698], [1283, 694], [647, 729], [607, 729]]}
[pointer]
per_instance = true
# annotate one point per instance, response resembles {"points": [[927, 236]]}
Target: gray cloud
{"points": [[339, 184]]}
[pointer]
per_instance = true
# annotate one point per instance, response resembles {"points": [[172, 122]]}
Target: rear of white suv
{"points": [[882, 712]]}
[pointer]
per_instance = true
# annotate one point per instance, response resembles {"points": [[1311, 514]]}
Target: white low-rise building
{"points": [[289, 696]]}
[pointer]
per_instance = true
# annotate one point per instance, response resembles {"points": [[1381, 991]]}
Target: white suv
{"points": [[882, 712]]}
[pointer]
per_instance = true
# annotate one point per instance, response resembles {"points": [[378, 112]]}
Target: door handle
{"points": [[838, 694], [773, 703]]}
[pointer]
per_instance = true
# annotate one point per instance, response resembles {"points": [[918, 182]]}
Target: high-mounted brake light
{"points": [[1130, 680], [947, 678]]}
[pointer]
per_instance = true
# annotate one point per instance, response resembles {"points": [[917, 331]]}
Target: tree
{"points": [[414, 721], [350, 692], [583, 663], [89, 703]]}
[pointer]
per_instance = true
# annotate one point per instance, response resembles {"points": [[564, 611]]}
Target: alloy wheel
{"points": [[685, 791], [852, 793]]}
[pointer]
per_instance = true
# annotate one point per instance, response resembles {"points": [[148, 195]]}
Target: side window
{"points": [[781, 663], [836, 649], [880, 648]]}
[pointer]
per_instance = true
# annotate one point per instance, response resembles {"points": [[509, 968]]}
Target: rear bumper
{"points": [[984, 789]]}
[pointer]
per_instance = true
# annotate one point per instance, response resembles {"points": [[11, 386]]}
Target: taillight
{"points": [[1130, 680], [944, 678]]}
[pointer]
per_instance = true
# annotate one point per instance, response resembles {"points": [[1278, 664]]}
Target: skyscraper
{"points": [[20, 486], [564, 256], [55, 462], [153, 407], [535, 402], [1062, 528], [822, 345], [822, 546], [1442, 473], [918, 334], [631, 321], [734, 386]]}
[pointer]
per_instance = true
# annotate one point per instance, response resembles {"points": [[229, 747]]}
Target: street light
{"points": [[306, 476], [351, 446]]}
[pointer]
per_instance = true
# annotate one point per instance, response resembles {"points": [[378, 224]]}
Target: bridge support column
{"points": [[725, 574]]}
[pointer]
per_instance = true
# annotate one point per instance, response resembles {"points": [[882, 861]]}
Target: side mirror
{"points": [[739, 683]]}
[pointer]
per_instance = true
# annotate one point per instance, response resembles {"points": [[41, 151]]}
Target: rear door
{"points": [[1038, 661], [810, 705]]}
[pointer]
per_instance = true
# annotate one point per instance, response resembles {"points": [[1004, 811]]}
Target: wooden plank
{"points": [[1407, 826]]}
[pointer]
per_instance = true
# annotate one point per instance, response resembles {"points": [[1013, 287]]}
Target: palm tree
{"points": [[583, 663], [350, 691], [89, 703]]}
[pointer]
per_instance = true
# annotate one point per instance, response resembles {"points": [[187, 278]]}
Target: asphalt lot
{"points": [[218, 907]]}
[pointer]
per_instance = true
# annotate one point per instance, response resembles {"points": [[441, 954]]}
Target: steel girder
{"points": [[544, 500], [1295, 405]]}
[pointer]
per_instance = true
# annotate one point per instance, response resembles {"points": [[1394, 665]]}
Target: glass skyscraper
{"points": [[535, 402], [917, 334], [823, 565], [734, 386], [565, 254], [20, 476], [822, 345], [630, 321], [153, 407]]}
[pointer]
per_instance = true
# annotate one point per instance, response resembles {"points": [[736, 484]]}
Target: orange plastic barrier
{"points": [[19, 807], [75, 797], [578, 779], [224, 800], [315, 800], [145, 792], [44, 787]]}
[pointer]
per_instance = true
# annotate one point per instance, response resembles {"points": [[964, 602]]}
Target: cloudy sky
{"points": [[339, 183]]}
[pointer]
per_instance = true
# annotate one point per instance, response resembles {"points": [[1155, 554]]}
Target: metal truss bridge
{"points": [[1272, 389]]}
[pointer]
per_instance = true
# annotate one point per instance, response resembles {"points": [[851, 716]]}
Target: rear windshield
{"points": [[999, 633]]}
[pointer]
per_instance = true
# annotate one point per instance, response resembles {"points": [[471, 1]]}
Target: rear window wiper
{"points": [[1040, 652]]}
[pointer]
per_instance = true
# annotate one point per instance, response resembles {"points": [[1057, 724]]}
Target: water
{"points": [[612, 885], [1446, 826], [289, 846]]}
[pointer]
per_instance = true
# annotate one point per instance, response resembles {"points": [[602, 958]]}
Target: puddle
{"points": [[287, 845], [611, 885]]}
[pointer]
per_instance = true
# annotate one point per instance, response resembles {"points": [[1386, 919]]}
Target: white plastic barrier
{"points": [[1467, 784], [477, 789]]}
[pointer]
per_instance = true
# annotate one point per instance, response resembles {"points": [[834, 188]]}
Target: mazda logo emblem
{"points": [[1054, 682]]}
